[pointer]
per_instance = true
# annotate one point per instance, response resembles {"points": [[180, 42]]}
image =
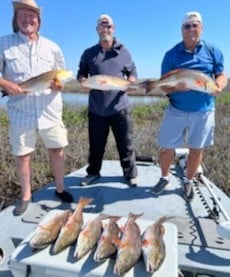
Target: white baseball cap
{"points": [[192, 16]]}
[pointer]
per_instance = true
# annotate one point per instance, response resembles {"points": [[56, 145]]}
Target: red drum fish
{"points": [[47, 232], [128, 247], [105, 247], [153, 246], [191, 79], [70, 231], [89, 236]]}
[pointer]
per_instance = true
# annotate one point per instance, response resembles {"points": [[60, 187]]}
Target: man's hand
{"points": [[11, 88], [56, 84]]}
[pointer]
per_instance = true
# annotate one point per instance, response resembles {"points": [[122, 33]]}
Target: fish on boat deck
{"points": [[153, 246], [128, 247], [105, 247], [89, 235], [70, 231], [47, 232]]}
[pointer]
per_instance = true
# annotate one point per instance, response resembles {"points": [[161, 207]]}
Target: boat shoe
{"points": [[21, 207], [64, 196], [160, 186], [188, 190], [89, 180]]}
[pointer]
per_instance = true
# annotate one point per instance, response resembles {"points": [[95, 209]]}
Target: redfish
{"points": [[107, 82], [153, 246], [191, 79], [89, 236], [105, 247], [129, 246], [47, 233], [44, 80], [70, 231]]}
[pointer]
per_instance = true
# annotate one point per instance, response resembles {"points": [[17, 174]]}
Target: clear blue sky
{"points": [[148, 28]]}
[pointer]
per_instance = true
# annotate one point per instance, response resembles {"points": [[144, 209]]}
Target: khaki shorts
{"points": [[24, 142]]}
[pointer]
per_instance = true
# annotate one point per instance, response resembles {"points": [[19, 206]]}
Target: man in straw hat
{"points": [[25, 54]]}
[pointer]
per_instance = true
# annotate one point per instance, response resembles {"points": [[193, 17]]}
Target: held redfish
{"points": [[129, 247], [70, 231], [192, 79], [105, 247], [47, 233], [153, 246], [43, 81], [89, 236], [106, 82]]}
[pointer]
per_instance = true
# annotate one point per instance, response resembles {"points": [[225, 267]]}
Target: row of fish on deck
{"points": [[192, 79], [126, 243]]}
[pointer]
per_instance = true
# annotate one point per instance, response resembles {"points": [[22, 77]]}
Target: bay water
{"points": [[80, 99]]}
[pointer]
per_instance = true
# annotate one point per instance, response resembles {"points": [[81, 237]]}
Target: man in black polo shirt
{"points": [[109, 109]]}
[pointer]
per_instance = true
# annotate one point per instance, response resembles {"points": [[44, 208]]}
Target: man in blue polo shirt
{"points": [[190, 115], [109, 109]]}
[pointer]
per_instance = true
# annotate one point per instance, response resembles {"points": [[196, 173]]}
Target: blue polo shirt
{"points": [[115, 62], [206, 58]]}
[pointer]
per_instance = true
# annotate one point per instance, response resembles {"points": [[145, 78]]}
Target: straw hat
{"points": [[26, 4]]}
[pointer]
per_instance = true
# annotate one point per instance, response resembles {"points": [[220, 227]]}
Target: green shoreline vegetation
{"points": [[146, 122]]}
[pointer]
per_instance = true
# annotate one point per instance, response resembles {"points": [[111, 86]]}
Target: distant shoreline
{"points": [[81, 99]]}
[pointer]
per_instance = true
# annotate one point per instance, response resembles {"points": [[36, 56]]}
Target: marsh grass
{"points": [[146, 122]]}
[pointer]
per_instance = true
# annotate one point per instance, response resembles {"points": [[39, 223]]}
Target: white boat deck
{"points": [[200, 249]]}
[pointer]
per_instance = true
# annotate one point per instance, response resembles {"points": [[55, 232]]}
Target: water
{"points": [[80, 99]]}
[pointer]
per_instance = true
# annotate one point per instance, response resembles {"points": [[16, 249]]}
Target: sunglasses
{"points": [[189, 26], [105, 26]]}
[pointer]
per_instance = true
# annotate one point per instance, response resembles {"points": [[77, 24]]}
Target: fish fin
{"points": [[145, 242], [172, 72], [115, 241], [103, 237]]}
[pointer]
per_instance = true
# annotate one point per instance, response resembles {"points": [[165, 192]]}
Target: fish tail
{"points": [[163, 219], [135, 216], [115, 217], [148, 85], [85, 201]]}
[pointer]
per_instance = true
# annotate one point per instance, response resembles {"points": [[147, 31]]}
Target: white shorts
{"points": [[24, 142]]}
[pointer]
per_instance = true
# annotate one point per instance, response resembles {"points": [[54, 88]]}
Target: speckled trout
{"points": [[105, 247], [48, 231], [43, 81], [129, 246], [191, 79], [70, 231], [153, 246]]}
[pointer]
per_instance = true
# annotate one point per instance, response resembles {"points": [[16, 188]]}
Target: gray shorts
{"points": [[24, 141], [186, 129]]}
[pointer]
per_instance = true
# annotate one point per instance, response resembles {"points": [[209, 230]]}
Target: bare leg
{"points": [[166, 157], [57, 165], [194, 160], [23, 171]]}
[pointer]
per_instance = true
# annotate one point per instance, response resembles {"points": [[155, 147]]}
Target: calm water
{"points": [[80, 99]]}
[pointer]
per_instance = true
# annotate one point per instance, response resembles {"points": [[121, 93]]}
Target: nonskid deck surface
{"points": [[199, 246]]}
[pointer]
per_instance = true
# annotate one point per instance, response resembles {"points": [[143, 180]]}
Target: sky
{"points": [[148, 28]]}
